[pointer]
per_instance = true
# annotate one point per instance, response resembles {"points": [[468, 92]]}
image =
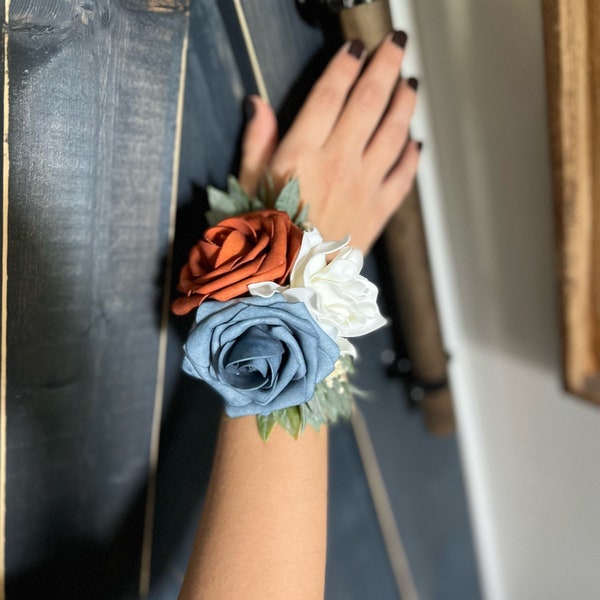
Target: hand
{"points": [[348, 146]]}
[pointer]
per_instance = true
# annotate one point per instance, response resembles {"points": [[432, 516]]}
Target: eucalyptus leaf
{"points": [[315, 404], [313, 419], [289, 198], [256, 204], [239, 195], [231, 203], [289, 418], [266, 423], [214, 217], [333, 397], [234, 187], [220, 201], [332, 400], [303, 417]]}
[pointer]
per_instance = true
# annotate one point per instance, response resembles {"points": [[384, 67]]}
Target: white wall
{"points": [[531, 452]]}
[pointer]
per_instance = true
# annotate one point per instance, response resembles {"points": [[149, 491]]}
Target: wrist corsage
{"points": [[274, 311]]}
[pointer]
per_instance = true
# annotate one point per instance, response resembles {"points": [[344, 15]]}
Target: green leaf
{"points": [[240, 197], [256, 204], [266, 423], [290, 419], [332, 400], [231, 203], [303, 417], [316, 402], [333, 397], [214, 217], [314, 421], [234, 189], [289, 198], [220, 201]]}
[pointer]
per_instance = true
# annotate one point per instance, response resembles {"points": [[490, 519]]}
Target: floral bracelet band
{"points": [[273, 311]]}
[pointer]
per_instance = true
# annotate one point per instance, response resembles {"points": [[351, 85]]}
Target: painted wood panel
{"points": [[93, 98]]}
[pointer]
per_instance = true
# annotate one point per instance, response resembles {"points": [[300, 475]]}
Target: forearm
{"points": [[262, 533]]}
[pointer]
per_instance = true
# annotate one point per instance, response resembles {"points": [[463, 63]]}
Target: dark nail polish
{"points": [[249, 108], [399, 38], [356, 49], [413, 82], [419, 146]]}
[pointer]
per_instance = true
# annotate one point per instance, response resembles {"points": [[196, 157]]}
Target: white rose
{"points": [[340, 299]]}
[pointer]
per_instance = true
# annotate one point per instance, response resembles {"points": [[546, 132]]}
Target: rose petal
{"points": [[257, 247], [234, 245], [263, 324]]}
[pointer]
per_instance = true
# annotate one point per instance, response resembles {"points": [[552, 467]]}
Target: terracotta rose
{"points": [[250, 248]]}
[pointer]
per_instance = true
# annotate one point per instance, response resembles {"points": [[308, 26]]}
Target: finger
{"points": [[400, 179], [322, 108], [258, 142], [390, 137], [370, 96]]}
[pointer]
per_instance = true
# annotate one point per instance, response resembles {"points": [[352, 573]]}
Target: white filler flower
{"points": [[340, 299]]}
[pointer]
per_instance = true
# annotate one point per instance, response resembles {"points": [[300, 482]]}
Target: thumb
{"points": [[258, 142]]}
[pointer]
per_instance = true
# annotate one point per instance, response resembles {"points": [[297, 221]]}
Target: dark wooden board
{"points": [[93, 109]]}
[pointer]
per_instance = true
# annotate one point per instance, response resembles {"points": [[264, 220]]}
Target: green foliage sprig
{"points": [[236, 202]]}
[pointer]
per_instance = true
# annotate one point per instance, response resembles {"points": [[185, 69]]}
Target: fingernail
{"points": [[356, 49], [413, 82], [249, 108], [419, 146], [399, 38]]}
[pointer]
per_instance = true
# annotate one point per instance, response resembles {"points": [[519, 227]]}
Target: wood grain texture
{"points": [[572, 39], [3, 297], [93, 102]]}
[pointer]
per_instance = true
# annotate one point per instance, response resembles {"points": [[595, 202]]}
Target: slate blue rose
{"points": [[260, 354]]}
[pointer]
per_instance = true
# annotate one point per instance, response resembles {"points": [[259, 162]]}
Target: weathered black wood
{"points": [[93, 107]]}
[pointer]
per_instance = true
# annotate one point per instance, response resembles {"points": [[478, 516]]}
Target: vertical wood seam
{"points": [[256, 70], [383, 509], [4, 307], [146, 555]]}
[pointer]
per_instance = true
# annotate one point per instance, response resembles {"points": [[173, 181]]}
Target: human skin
{"points": [[262, 533]]}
